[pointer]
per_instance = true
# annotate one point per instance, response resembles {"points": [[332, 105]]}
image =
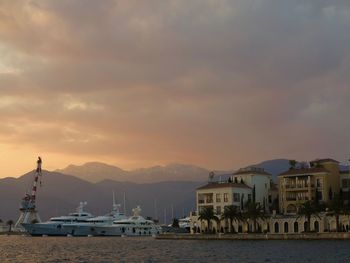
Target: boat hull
{"points": [[44, 230]]}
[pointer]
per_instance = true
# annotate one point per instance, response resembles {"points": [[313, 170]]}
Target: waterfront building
{"points": [[218, 195], [259, 180], [345, 185], [318, 182]]}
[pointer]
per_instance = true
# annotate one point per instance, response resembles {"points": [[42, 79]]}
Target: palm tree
{"points": [[175, 223], [10, 223], [292, 164], [232, 214], [254, 211], [337, 207], [207, 214], [308, 210]]}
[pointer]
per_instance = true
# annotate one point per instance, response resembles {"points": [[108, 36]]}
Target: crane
{"points": [[29, 214]]}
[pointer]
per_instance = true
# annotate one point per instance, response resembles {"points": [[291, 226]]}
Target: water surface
{"points": [[147, 249]]}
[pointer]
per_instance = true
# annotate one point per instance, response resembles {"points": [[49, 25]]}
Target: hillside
{"points": [[61, 194], [96, 172]]}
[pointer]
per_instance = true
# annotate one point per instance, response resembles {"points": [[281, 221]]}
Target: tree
{"points": [[175, 223], [207, 214], [35, 221], [254, 212], [254, 194], [307, 210], [232, 214], [292, 164], [9, 223], [330, 193], [337, 207]]}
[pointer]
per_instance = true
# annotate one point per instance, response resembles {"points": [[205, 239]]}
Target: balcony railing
{"points": [[207, 201], [298, 186]]}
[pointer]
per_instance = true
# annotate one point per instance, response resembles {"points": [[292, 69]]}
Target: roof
{"points": [[325, 160], [305, 171], [223, 185], [251, 170]]}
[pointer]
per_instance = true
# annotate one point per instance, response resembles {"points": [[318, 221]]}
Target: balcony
{"points": [[207, 201], [297, 187], [295, 199]]}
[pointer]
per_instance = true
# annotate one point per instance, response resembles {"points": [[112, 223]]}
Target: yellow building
{"points": [[318, 182]]}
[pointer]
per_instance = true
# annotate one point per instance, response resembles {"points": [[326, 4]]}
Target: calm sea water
{"points": [[147, 249]]}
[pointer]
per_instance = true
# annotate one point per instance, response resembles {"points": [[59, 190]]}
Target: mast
{"points": [[124, 204]]}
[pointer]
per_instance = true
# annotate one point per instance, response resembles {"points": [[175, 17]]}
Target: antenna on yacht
{"points": [[155, 209], [164, 216], [124, 204], [115, 205]]}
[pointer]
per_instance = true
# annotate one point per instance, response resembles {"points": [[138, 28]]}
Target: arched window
{"points": [[317, 226], [305, 227], [296, 227], [286, 227], [277, 227]]}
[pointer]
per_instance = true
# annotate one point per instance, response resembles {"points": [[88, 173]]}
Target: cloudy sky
{"points": [[216, 83]]}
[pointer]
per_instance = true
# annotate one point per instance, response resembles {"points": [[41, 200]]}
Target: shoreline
{"points": [[303, 236]]}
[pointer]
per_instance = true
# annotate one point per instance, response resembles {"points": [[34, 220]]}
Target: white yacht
{"points": [[135, 225], [54, 227], [92, 226], [185, 223]]}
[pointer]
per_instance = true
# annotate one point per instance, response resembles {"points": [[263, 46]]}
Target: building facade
{"points": [[218, 195], [318, 182], [259, 180]]}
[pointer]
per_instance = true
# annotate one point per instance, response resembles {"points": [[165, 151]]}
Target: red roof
{"points": [[305, 171], [325, 160], [223, 185]]}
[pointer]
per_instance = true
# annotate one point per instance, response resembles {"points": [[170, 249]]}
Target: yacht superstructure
{"points": [[92, 226], [54, 227], [135, 225]]}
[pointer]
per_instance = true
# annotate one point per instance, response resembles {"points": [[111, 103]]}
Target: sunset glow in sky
{"points": [[215, 83]]}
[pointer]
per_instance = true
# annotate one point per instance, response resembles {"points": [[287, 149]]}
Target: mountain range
{"points": [[95, 172], [159, 190], [61, 194]]}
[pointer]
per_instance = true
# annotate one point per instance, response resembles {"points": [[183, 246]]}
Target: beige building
{"points": [[257, 178], [217, 195], [319, 182], [345, 185]]}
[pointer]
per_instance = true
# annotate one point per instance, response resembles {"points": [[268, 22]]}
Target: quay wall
{"points": [[250, 236]]}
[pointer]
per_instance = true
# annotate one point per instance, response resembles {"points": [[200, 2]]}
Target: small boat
{"points": [[54, 227]]}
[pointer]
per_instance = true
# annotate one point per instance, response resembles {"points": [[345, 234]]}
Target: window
{"points": [[346, 182], [218, 210], [270, 199], [225, 197], [249, 197], [236, 197], [218, 198], [319, 182]]}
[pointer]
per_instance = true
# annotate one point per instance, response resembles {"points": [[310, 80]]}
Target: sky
{"points": [[215, 83]]}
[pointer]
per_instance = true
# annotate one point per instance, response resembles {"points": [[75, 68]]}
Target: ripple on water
{"points": [[146, 249]]}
